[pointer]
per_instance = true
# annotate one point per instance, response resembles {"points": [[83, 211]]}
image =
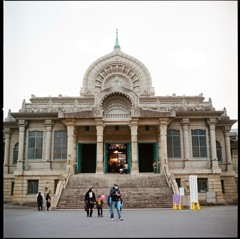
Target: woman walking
{"points": [[90, 200]]}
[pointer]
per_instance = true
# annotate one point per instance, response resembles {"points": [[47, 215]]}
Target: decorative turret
{"points": [[117, 46]]}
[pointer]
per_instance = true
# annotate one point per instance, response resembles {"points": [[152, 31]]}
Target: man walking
{"points": [[115, 202]]}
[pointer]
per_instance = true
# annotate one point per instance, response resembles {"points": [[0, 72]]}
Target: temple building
{"points": [[117, 120]]}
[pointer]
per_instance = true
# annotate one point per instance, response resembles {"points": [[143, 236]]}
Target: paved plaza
{"points": [[28, 222]]}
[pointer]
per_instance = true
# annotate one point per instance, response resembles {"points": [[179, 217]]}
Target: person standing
{"points": [[121, 167], [115, 202], [39, 201], [155, 167], [48, 201], [90, 200], [100, 206]]}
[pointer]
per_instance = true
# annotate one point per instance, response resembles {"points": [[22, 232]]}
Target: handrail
{"points": [[60, 186], [171, 180]]}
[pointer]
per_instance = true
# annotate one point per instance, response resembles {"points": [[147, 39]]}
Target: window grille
{"points": [[15, 153], [173, 144], [199, 146], [219, 151], [32, 186], [202, 185], [35, 144], [60, 145]]}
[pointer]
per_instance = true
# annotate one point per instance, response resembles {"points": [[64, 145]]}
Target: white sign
{"points": [[181, 191], [193, 189]]}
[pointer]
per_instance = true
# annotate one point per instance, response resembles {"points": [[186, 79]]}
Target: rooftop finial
{"points": [[117, 46]]}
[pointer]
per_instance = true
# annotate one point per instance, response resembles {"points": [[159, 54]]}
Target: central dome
{"points": [[131, 73]]}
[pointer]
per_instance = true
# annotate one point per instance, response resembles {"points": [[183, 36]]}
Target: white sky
{"points": [[188, 47]]}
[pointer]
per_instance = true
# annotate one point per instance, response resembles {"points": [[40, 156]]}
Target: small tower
{"points": [[117, 46]]}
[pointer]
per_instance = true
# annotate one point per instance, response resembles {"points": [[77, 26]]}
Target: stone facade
{"points": [[117, 107]]}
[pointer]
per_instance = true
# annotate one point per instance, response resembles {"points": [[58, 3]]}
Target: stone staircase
{"points": [[144, 190]]}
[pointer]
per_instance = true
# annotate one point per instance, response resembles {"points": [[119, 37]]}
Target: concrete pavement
{"points": [[27, 222]]}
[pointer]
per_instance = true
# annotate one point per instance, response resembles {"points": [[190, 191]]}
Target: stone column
{"points": [[21, 124], [163, 143], [70, 145], [226, 130], [159, 166], [185, 125], [212, 122], [100, 128], [47, 157], [7, 136], [134, 163], [74, 158]]}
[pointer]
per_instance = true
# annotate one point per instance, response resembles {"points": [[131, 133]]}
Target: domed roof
{"points": [[131, 74]]}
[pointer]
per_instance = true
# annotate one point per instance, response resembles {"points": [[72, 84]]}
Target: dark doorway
{"points": [[87, 158], [145, 157]]}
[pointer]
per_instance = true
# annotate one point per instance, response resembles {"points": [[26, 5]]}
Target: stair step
{"points": [[141, 191]]}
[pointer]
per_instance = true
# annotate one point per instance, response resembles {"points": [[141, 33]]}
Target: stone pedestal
{"points": [[134, 168], [47, 165], [99, 167], [19, 165], [229, 167], [5, 169]]}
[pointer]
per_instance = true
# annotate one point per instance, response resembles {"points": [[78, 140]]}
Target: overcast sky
{"points": [[188, 47]]}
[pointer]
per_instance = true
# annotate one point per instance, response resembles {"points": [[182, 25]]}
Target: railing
{"points": [[120, 116], [170, 180], [60, 186]]}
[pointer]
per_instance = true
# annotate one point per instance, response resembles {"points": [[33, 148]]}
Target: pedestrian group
{"points": [[40, 201], [114, 201]]}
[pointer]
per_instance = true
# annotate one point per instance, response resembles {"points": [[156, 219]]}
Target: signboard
{"points": [[193, 189], [181, 191], [211, 197], [176, 199]]}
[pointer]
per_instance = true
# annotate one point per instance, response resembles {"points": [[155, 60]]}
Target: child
{"points": [[99, 206]]}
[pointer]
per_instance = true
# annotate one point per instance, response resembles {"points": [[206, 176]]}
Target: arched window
{"points": [[15, 153], [219, 151]]}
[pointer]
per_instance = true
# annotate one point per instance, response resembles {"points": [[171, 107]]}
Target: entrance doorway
{"points": [[147, 154], [87, 158], [116, 157]]}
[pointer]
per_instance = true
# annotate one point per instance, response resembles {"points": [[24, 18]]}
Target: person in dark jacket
{"points": [[90, 200], [39, 201], [48, 201], [115, 202]]}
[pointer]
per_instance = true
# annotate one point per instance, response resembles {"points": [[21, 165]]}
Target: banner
{"points": [[193, 189]]}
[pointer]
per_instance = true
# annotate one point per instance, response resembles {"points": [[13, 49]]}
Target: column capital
{"points": [[23, 123], [211, 121], [226, 129], [163, 121], [99, 122], [49, 123], [185, 122], [69, 122], [7, 131]]}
